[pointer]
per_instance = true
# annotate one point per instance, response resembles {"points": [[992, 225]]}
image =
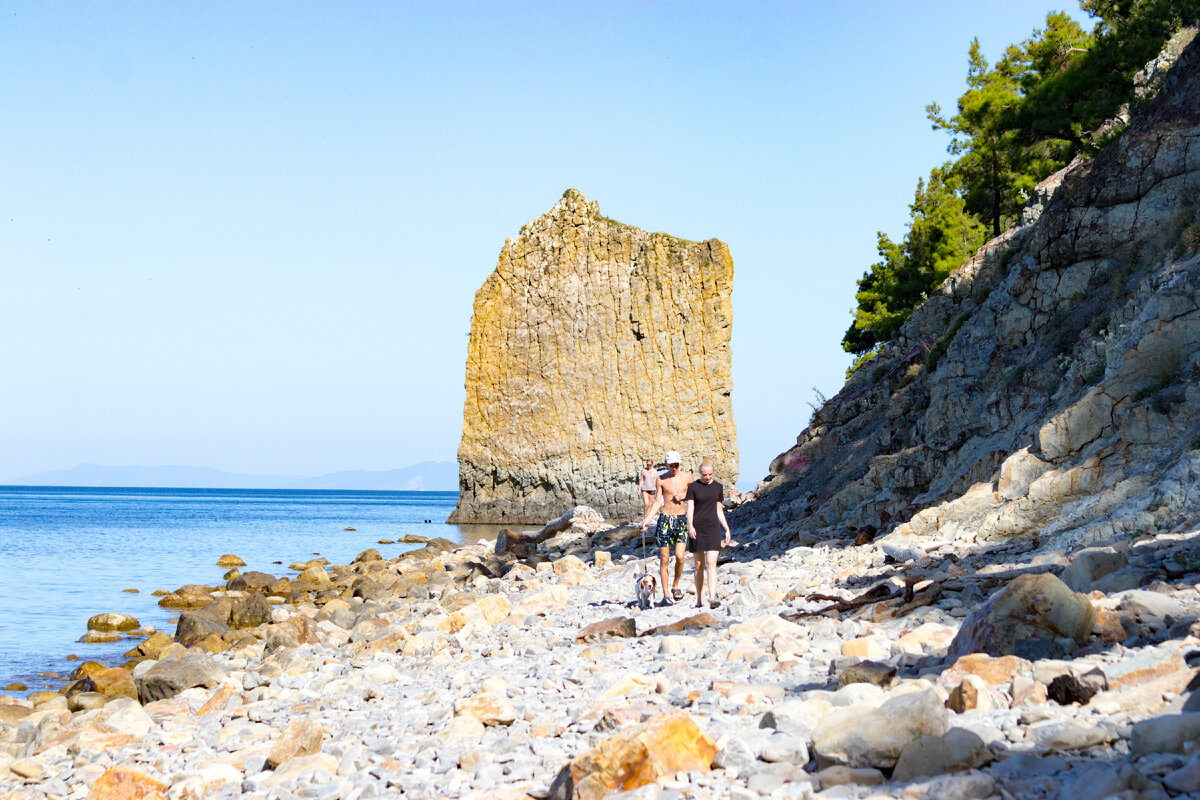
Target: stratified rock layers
{"points": [[594, 345]]}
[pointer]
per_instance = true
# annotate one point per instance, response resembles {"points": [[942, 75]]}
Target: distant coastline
{"points": [[427, 476]]}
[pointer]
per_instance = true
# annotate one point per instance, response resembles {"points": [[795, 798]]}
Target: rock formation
{"points": [[1049, 387], [594, 345]]}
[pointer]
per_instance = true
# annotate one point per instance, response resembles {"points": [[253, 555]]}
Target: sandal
{"points": [[678, 595]]}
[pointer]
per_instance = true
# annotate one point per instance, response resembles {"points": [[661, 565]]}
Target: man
{"points": [[671, 531], [705, 521]]}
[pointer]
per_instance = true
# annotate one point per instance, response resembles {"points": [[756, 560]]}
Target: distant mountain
{"points": [[428, 476]]}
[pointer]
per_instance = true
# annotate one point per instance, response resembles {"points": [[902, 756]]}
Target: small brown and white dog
{"points": [[645, 587]]}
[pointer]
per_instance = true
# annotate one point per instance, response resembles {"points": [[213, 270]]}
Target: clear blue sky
{"points": [[248, 235]]}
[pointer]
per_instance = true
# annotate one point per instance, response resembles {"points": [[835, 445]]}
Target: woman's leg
{"points": [[698, 564], [711, 557]]}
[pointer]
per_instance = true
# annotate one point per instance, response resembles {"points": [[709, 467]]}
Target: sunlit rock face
{"points": [[594, 345]]}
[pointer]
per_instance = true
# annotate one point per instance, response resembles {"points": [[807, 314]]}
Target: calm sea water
{"points": [[68, 553]]}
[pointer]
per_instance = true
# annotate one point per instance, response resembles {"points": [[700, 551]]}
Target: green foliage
{"points": [[941, 236], [863, 358], [1046, 100]]}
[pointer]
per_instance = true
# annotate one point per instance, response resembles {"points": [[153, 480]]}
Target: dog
{"points": [[644, 588]]}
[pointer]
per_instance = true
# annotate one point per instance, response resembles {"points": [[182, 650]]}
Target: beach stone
{"points": [[838, 775], [484, 612], [784, 748], [100, 637], [229, 560], [490, 708], [189, 596], [125, 715], [1028, 692], [151, 647], [1155, 604], [316, 575], [954, 751], [568, 564], [249, 612], [27, 768], [1170, 733], [194, 626], [113, 622], [1186, 778], [252, 581], [112, 682], [87, 668], [1027, 618], [678, 643], [125, 783], [735, 754], [462, 728], [412, 538], [38, 698], [1089, 565], [1099, 780], [1063, 734], [994, 671], [601, 559], [929, 636], [875, 736], [872, 672], [702, 620], [1144, 666], [867, 647], [1068, 689], [171, 676], [973, 694], [300, 737], [621, 627], [86, 701], [370, 554], [661, 746]]}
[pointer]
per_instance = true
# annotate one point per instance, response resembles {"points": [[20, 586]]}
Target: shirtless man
{"points": [[671, 531]]}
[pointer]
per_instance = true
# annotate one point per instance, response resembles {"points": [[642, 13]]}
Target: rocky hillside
{"points": [[1048, 388], [594, 345]]}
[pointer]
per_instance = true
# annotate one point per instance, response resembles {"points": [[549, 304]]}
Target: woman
{"points": [[649, 486], [706, 519]]}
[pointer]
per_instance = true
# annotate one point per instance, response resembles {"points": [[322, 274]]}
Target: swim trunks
{"points": [[670, 530]]}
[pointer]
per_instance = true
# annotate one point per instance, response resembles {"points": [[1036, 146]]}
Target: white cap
{"points": [[673, 457]]}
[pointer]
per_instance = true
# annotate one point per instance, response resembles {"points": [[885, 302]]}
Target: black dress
{"points": [[709, 533]]}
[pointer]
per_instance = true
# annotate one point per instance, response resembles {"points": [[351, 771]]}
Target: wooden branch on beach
{"points": [[877, 594]]}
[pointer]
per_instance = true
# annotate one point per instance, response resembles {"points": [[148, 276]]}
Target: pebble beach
{"points": [[829, 670]]}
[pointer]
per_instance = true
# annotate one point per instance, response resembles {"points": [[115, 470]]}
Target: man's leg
{"points": [[680, 555], [711, 557], [664, 556]]}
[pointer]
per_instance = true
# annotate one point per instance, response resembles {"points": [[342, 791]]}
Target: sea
{"points": [[68, 553]]}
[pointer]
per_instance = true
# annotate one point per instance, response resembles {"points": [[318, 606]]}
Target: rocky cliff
{"points": [[593, 345], [1048, 389]]}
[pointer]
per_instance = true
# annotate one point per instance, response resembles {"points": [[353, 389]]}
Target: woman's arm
{"points": [[721, 516]]}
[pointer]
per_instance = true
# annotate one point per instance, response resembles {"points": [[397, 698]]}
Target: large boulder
{"points": [[874, 736], [113, 622], [194, 626], [956, 750], [640, 754], [169, 677], [249, 612], [1092, 564], [189, 596], [251, 582], [1035, 616]]}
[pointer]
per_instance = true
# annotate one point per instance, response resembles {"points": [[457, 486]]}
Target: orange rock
{"points": [[123, 783], [113, 682], [702, 620], [1108, 627], [659, 747], [300, 737], [623, 627], [994, 670], [219, 700], [1135, 671], [600, 651], [490, 708]]}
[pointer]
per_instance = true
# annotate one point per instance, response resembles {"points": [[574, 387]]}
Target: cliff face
{"points": [[594, 345], [1049, 387]]}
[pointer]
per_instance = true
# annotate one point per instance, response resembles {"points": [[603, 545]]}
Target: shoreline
{"points": [[485, 676]]}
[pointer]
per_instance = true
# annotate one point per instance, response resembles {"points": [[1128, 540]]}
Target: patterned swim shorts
{"points": [[670, 530]]}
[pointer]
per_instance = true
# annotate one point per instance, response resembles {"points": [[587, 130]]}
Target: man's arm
{"points": [[657, 504], [691, 508]]}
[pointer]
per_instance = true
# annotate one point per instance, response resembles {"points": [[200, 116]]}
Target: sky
{"points": [[248, 235]]}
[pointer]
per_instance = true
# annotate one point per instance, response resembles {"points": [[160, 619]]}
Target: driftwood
{"points": [[876, 594]]}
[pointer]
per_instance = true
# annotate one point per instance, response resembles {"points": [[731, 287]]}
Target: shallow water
{"points": [[68, 553]]}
